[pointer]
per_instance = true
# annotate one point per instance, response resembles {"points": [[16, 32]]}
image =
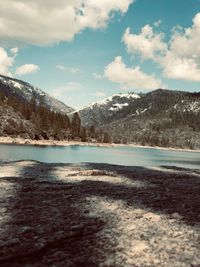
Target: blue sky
{"points": [[92, 61]]}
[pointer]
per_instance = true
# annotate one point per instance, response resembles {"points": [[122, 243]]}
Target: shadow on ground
{"points": [[49, 224]]}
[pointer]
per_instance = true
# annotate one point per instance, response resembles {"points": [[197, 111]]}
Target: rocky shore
{"points": [[21, 141], [98, 215]]}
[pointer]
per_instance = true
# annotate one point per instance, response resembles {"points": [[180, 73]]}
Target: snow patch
{"points": [[188, 106], [140, 111], [16, 84], [118, 106], [106, 101]]}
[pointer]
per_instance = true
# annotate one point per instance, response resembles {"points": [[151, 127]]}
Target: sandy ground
{"points": [[98, 215], [21, 141]]}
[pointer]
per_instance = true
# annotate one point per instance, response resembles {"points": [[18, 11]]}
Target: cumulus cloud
{"points": [[148, 43], [27, 69], [44, 22], [7, 61], [182, 61], [179, 58], [130, 78], [14, 50], [175, 67]]}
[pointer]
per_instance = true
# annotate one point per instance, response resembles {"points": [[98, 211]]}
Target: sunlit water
{"points": [[115, 155]]}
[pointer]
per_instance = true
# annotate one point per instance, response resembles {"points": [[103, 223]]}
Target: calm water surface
{"points": [[115, 155]]}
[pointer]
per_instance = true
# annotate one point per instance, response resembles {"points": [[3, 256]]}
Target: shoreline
{"points": [[21, 141]]}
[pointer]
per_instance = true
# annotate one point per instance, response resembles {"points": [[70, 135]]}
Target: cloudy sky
{"points": [[81, 51]]}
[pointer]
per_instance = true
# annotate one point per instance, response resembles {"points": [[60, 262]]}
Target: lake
{"points": [[123, 155]]}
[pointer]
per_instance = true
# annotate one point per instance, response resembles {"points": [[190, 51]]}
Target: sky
{"points": [[81, 51]]}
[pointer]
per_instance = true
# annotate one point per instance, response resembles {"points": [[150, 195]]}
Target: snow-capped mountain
{"points": [[156, 104], [26, 91], [158, 118], [105, 110]]}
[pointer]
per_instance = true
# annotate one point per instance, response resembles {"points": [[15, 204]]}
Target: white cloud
{"points": [[175, 67], [148, 44], [130, 78], [61, 67], [6, 61], [44, 22], [68, 69], [27, 69], [69, 87], [182, 61], [158, 23], [14, 50], [97, 76], [74, 70], [179, 58], [64, 92]]}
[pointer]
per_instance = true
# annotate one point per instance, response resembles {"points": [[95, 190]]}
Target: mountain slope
{"points": [[25, 91], [161, 118], [13, 122], [105, 111], [157, 103]]}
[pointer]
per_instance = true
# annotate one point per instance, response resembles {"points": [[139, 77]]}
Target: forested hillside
{"points": [[159, 118], [32, 120], [24, 91]]}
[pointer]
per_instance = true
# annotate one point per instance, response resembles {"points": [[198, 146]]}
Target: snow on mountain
{"points": [[186, 106], [26, 91], [118, 106], [100, 112], [116, 99], [153, 105]]}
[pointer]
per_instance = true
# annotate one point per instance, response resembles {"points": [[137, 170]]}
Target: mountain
{"points": [[28, 112], [31, 120], [157, 103], [13, 122], [25, 92], [161, 117], [105, 111]]}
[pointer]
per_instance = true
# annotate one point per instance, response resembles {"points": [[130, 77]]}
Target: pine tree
{"points": [[33, 104], [76, 125], [83, 134], [106, 138], [92, 131]]}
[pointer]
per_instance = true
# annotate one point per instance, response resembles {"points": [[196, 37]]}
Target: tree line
{"points": [[48, 124]]}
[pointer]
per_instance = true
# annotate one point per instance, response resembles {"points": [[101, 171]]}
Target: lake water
{"points": [[130, 156]]}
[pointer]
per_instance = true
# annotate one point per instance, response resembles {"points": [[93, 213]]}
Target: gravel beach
{"points": [[98, 215]]}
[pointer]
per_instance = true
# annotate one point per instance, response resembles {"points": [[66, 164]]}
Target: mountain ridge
{"points": [[159, 118], [25, 91], [107, 107]]}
